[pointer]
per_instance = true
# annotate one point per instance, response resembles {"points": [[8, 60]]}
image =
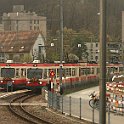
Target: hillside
{"points": [[78, 14]]}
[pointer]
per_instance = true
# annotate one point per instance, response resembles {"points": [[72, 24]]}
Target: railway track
{"points": [[19, 110]]}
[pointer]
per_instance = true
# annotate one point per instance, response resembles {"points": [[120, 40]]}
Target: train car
{"points": [[36, 75], [12, 75]]}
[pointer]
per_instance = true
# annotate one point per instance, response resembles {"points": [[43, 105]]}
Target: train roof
{"points": [[53, 64], [38, 64]]}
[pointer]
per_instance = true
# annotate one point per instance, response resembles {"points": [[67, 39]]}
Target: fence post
{"points": [[80, 108], [93, 115], [56, 101], [70, 104], [109, 113], [62, 104], [52, 99], [49, 98], [122, 105]]}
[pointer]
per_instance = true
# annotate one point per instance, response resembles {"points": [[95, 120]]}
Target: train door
{"points": [[74, 72], [20, 72], [23, 72], [17, 73]]}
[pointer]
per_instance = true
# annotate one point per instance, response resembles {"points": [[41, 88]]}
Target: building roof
{"points": [[17, 41]]}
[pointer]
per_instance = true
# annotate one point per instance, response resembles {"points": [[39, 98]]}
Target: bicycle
{"points": [[94, 101]]}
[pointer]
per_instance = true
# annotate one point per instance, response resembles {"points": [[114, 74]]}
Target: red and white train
{"points": [[37, 75]]}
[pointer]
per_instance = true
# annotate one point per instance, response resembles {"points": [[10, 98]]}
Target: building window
{"points": [[37, 21], [96, 58], [34, 21], [96, 44], [30, 27]]}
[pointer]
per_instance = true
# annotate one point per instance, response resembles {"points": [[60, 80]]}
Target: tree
{"points": [[78, 47], [26, 58]]}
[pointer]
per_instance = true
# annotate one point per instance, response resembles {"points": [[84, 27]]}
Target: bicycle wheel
{"points": [[93, 104]]}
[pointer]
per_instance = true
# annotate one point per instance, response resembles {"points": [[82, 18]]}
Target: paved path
{"points": [[87, 111]]}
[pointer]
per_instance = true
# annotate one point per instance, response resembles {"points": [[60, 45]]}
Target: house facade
{"points": [[113, 52], [22, 46], [93, 51]]}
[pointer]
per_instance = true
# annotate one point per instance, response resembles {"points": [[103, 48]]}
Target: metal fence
{"points": [[78, 107], [71, 106]]}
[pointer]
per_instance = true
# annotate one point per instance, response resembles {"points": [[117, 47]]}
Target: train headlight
{"points": [[13, 81], [28, 82], [1, 81], [40, 82]]}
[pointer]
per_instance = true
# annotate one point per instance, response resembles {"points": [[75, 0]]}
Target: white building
{"points": [[113, 51], [20, 20], [93, 51]]}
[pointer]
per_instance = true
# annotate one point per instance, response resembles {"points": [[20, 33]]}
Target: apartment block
{"points": [[20, 20]]}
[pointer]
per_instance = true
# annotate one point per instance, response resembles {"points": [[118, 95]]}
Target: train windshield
{"points": [[37, 73], [8, 72]]}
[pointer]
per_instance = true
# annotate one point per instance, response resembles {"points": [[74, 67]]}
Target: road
{"points": [[87, 112]]}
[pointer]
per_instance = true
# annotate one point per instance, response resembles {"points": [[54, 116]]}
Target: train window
{"points": [[82, 71], [98, 70], [58, 72], [92, 70], [87, 71], [8, 72], [37, 73], [73, 71], [109, 70], [115, 69], [68, 72], [63, 73], [17, 72], [120, 69]]}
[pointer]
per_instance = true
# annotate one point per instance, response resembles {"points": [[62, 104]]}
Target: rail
{"points": [[22, 113]]}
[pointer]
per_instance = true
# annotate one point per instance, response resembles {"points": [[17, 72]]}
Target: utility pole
{"points": [[102, 85], [61, 39]]}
